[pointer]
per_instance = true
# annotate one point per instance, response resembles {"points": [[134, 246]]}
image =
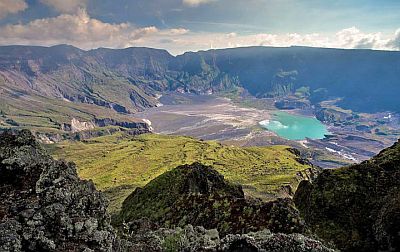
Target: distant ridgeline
{"points": [[108, 81], [366, 80]]}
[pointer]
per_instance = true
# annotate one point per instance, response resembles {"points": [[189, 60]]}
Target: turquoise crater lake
{"points": [[295, 127]]}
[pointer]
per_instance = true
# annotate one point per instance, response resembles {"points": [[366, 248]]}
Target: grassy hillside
{"points": [[118, 163]]}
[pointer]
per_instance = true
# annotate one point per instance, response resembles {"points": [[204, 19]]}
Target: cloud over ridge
{"points": [[395, 41], [76, 27]]}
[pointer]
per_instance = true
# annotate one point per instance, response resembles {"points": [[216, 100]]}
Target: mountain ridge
{"points": [[104, 82]]}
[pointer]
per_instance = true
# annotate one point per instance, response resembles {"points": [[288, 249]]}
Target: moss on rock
{"points": [[198, 195], [356, 207]]}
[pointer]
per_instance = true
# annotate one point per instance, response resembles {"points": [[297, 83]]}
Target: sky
{"points": [[191, 25]]}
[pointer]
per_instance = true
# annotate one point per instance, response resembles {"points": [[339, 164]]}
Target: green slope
{"points": [[198, 195], [119, 163], [356, 207], [43, 114]]}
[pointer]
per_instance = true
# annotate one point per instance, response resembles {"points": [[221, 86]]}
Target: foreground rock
{"points": [[356, 207], [191, 238], [44, 205], [198, 195]]}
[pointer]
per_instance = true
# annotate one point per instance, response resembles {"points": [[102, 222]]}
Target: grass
{"points": [[119, 163]]}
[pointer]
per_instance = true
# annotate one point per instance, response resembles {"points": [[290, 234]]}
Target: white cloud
{"points": [[79, 30], [66, 6], [354, 38], [194, 3], [395, 41], [11, 7], [177, 31], [347, 38]]}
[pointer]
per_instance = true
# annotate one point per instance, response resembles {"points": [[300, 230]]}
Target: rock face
{"points": [[198, 195], [77, 126], [45, 206], [356, 207]]}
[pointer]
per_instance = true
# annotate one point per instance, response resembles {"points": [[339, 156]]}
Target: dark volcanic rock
{"points": [[198, 195], [356, 207], [191, 238], [267, 241], [45, 206]]}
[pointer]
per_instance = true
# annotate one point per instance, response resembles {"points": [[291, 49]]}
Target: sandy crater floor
{"points": [[209, 118]]}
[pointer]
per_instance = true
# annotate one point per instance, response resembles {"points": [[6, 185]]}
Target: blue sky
{"points": [[182, 25], [256, 15]]}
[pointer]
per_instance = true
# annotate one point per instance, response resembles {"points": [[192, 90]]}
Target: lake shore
{"points": [[295, 127], [223, 120]]}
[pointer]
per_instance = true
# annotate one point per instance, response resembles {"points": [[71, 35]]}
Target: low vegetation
{"points": [[119, 163], [356, 207], [198, 195], [46, 115]]}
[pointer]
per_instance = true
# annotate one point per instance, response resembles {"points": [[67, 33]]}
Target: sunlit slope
{"points": [[119, 163]]}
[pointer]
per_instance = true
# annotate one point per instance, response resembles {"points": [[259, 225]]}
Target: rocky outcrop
{"points": [[80, 130], [129, 125], [329, 115], [77, 126], [45, 206], [356, 207], [292, 103], [98, 102], [50, 138], [198, 195], [309, 174]]}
